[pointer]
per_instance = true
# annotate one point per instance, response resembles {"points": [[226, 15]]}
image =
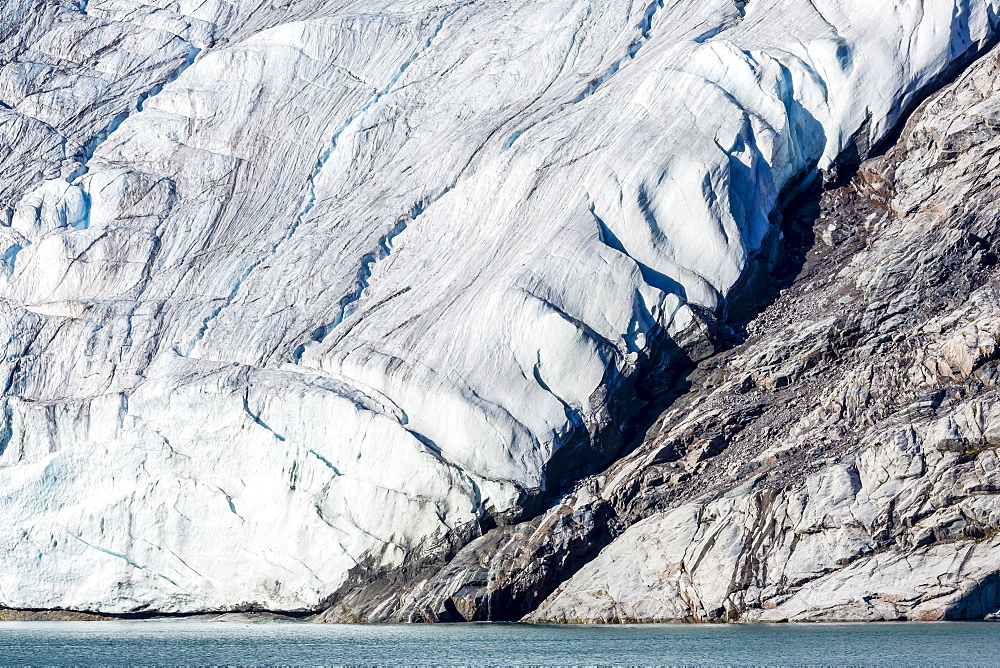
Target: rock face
{"points": [[841, 464], [298, 298]]}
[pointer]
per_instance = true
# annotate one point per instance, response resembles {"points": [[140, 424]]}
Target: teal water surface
{"points": [[227, 643]]}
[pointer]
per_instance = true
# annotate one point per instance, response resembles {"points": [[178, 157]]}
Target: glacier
{"points": [[299, 291]]}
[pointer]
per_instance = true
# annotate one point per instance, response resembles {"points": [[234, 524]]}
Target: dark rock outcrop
{"points": [[839, 463]]}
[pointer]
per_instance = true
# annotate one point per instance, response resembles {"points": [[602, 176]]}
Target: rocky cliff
{"points": [[840, 463], [299, 298]]}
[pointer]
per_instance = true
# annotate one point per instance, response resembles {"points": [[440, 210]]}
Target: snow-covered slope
{"points": [[297, 289]]}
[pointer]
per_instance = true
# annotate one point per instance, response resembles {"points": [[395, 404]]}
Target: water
{"points": [[198, 642]]}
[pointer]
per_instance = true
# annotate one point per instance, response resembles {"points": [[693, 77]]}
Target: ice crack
{"points": [[348, 304], [649, 275], [309, 202], [326, 462], [10, 256], [256, 418], [562, 67], [645, 26], [572, 414], [173, 76], [126, 559], [310, 199], [642, 320], [95, 142], [214, 314]]}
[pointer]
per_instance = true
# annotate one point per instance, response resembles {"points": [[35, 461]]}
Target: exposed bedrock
{"points": [[298, 298], [839, 464]]}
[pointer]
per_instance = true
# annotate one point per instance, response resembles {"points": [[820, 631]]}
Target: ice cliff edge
{"points": [[295, 291]]}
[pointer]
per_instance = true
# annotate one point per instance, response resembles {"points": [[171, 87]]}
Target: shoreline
{"points": [[15, 615]]}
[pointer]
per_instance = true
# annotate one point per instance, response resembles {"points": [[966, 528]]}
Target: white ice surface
{"points": [[290, 291]]}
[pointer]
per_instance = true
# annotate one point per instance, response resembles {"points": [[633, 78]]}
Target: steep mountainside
{"points": [[839, 464], [298, 298], [843, 461]]}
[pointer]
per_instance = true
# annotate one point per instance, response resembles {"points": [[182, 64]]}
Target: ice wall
{"points": [[291, 293]]}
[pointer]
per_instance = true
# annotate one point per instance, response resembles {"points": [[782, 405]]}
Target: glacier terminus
{"points": [[300, 293]]}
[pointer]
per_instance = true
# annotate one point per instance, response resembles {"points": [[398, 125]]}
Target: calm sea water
{"points": [[190, 642]]}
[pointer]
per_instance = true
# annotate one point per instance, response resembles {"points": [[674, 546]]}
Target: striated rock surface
{"points": [[298, 298]]}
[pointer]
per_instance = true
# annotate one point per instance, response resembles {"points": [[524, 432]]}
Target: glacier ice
{"points": [[298, 291]]}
